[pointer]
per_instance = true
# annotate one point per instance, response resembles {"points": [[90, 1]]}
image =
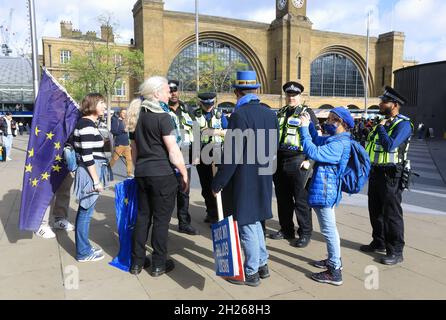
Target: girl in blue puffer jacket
{"points": [[331, 155]]}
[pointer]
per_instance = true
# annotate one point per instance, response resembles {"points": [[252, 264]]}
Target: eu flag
{"points": [[126, 202], [54, 119]]}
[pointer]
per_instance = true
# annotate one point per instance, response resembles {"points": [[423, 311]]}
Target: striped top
{"points": [[88, 142]]}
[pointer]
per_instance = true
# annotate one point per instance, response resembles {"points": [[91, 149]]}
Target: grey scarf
{"points": [[153, 106]]}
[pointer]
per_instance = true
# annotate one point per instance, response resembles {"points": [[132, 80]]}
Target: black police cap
{"points": [[293, 87], [174, 84], [391, 94], [207, 98]]}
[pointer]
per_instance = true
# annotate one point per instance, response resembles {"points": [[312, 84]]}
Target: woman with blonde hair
{"points": [[155, 155]]}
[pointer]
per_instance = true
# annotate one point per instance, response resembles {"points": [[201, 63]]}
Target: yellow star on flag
{"points": [[126, 201], [37, 131], [58, 158], [57, 145], [56, 168], [50, 136], [31, 153], [29, 168], [34, 182], [45, 176]]}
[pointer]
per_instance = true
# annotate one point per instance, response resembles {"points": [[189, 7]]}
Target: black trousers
{"points": [[292, 196], [183, 214], [206, 177], [386, 213], [156, 201]]}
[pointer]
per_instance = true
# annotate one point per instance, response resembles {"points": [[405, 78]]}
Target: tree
{"points": [[101, 66], [218, 74]]}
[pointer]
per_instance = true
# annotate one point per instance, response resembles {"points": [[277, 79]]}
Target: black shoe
{"points": [[331, 276], [323, 264], [252, 281], [136, 269], [158, 271], [280, 235], [264, 272], [188, 229], [372, 248], [392, 259], [210, 219], [302, 242]]}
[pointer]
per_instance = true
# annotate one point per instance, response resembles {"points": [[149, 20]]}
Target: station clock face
{"points": [[281, 4], [298, 3]]}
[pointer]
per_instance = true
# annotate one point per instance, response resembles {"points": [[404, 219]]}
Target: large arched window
{"points": [[218, 65], [335, 75]]}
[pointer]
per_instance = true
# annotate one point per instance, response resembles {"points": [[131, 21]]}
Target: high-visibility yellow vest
{"points": [[289, 129], [213, 123], [186, 125], [380, 157]]}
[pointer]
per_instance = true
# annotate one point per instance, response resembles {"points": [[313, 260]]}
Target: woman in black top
{"points": [[156, 155]]}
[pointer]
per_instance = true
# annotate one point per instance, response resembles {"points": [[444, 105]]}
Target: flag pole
{"points": [[35, 54], [367, 65], [197, 40]]}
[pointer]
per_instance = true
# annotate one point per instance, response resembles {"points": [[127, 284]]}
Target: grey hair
{"points": [[147, 90]]}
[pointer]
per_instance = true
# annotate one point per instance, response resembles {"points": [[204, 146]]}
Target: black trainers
{"points": [[331, 276], [323, 264], [252, 281], [372, 248], [392, 259], [302, 242], [188, 229], [280, 235], [264, 272]]}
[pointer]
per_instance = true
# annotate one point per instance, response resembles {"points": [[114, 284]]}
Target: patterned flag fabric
{"points": [[54, 119], [126, 203]]}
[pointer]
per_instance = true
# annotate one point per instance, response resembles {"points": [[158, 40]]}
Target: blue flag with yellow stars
{"points": [[54, 119], [126, 203]]}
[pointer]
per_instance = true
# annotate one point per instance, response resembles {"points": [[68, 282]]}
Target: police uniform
{"points": [[290, 180], [208, 120], [184, 123], [388, 147]]}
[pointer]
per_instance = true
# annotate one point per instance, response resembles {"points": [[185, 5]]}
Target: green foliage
{"points": [[101, 67]]}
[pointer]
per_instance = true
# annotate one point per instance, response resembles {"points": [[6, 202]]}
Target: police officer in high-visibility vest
{"points": [[387, 146], [213, 126], [293, 170], [185, 124]]}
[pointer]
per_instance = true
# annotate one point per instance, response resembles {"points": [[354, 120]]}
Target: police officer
{"points": [[387, 146], [185, 124], [212, 126], [293, 170]]}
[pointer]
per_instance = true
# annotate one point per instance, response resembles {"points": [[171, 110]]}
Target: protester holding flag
{"points": [[155, 149], [91, 175]]}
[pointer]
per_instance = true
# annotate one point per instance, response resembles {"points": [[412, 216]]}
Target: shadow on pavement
{"points": [[10, 217]]}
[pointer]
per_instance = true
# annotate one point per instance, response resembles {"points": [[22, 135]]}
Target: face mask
{"points": [[330, 128]]}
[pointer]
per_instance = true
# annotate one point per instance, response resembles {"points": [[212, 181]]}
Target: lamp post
{"points": [[35, 55]]}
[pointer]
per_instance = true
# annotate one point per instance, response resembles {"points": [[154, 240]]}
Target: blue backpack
{"points": [[357, 171]]}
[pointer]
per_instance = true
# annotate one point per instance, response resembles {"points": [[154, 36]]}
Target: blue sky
{"points": [[423, 21]]}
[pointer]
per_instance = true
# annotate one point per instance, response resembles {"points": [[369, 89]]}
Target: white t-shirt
{"points": [[8, 125]]}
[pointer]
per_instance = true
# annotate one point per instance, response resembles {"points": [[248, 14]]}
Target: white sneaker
{"points": [[63, 224], [92, 257], [8, 159], [45, 232]]}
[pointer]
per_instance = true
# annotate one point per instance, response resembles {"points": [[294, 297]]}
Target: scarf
{"points": [[246, 99]]}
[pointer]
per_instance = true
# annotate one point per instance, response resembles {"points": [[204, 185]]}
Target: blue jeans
{"points": [[327, 222], [254, 247], [83, 218], [7, 140]]}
